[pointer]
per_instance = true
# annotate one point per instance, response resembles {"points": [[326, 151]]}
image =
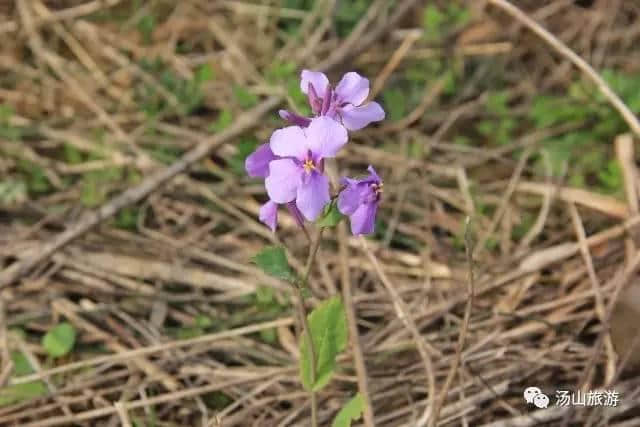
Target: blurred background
{"points": [[155, 302]]}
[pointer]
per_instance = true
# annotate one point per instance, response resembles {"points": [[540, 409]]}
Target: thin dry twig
{"points": [[352, 319], [403, 313], [433, 421], [129, 354], [137, 193], [565, 51]]}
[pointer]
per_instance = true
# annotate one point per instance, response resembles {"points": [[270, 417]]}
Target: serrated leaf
{"points": [[352, 411], [273, 261], [328, 326], [59, 340], [331, 216]]}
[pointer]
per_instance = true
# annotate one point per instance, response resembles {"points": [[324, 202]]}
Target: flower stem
{"points": [[302, 314]]}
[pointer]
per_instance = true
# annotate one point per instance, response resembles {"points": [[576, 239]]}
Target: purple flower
{"points": [[257, 163], [257, 166], [269, 214], [299, 173], [344, 103], [359, 201], [294, 118]]}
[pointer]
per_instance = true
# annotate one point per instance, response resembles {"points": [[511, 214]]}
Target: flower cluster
{"points": [[292, 162]]}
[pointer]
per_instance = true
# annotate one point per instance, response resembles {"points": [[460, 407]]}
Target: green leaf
{"points": [[394, 100], [59, 340], [204, 321], [6, 111], [331, 216], [188, 332], [19, 392], [37, 181], [222, 122], [497, 103], [204, 73], [432, 21], [265, 296], [352, 411], [12, 192], [328, 326], [127, 218], [217, 400], [270, 336], [281, 72], [21, 365], [72, 155], [611, 176], [273, 261], [348, 13], [146, 25], [244, 98]]}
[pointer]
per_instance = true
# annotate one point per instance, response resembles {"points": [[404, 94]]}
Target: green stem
{"points": [[305, 323]]}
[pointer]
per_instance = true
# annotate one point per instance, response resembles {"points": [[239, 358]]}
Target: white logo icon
{"points": [[536, 396], [541, 400], [530, 393]]}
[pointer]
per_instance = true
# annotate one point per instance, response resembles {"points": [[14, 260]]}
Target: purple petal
{"points": [[325, 137], [351, 197], [348, 181], [355, 118], [353, 88], [363, 219], [289, 142], [269, 214], [326, 101], [373, 175], [294, 118], [315, 101], [316, 78], [283, 180], [313, 195], [257, 163]]}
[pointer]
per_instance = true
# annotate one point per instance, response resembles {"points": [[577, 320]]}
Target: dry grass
{"points": [[135, 284]]}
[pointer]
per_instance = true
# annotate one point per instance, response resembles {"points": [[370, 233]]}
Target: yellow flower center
{"points": [[378, 188], [308, 166]]}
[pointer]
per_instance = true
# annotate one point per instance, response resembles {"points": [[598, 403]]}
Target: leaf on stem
{"points": [[351, 411], [59, 340], [331, 216], [273, 261], [328, 326]]}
